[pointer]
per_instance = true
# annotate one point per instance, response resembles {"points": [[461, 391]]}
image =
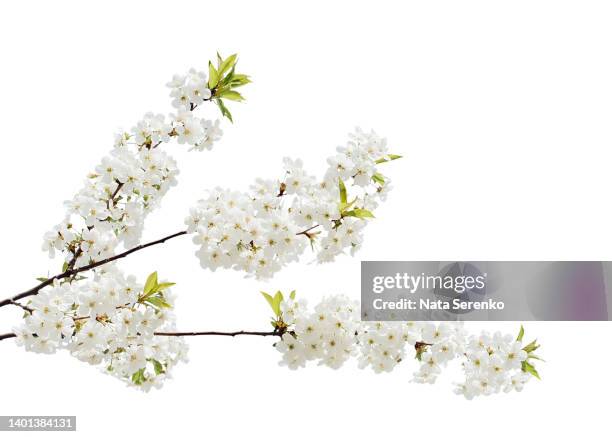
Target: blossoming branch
{"points": [[107, 318]]}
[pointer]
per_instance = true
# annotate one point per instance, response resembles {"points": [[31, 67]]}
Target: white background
{"points": [[501, 109]]}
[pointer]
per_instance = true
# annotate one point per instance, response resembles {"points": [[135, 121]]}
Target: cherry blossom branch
{"points": [[71, 272]]}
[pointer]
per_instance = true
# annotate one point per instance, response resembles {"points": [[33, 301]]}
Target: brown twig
{"points": [[275, 333], [307, 231], [70, 272], [112, 197], [24, 307]]}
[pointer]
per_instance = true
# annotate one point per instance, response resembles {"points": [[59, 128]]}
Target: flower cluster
{"points": [[326, 335], [188, 90], [112, 206], [261, 231], [131, 181], [333, 332], [109, 321], [495, 363]]}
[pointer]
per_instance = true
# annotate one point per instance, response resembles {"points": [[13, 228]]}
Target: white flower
{"points": [[135, 359], [293, 352], [443, 351], [62, 328], [515, 355], [91, 335], [190, 89], [342, 166]]}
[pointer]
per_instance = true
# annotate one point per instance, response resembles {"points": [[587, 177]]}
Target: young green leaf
{"points": [[164, 285], [359, 213], [224, 111], [535, 357], [151, 283], [225, 65], [158, 302], [138, 378], [378, 178], [345, 206], [531, 347], [342, 188], [213, 76], [232, 95], [269, 299], [239, 80], [225, 82], [520, 334], [159, 367], [387, 158], [529, 368], [278, 298], [292, 295]]}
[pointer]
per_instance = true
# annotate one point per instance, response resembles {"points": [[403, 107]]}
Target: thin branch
{"points": [[275, 333], [307, 231], [75, 256], [114, 195], [24, 307], [70, 272]]}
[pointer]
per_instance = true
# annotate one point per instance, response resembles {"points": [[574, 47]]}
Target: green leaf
{"points": [[164, 285], [225, 65], [159, 367], [213, 76], [151, 283], [534, 357], [238, 80], [531, 346], [378, 178], [41, 279], [359, 213], [138, 378], [225, 83], [224, 111], [521, 334], [269, 299], [292, 295], [345, 206], [65, 267], [387, 158], [232, 95], [529, 368], [342, 188], [158, 302], [278, 298]]}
